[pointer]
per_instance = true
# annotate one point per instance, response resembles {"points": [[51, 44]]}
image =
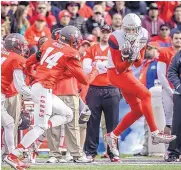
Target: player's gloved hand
{"points": [[101, 67], [126, 51], [84, 115], [135, 56]]}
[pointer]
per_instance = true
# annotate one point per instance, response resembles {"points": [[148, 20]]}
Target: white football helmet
{"points": [[131, 25]]}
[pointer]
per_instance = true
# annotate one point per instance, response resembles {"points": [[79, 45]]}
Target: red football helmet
{"points": [[16, 43], [71, 35]]}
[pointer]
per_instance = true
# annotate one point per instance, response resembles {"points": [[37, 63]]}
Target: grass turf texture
{"points": [[104, 167]]}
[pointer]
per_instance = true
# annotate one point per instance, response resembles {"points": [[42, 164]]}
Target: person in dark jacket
{"points": [[76, 19], [97, 20], [120, 8], [64, 20], [174, 75]]}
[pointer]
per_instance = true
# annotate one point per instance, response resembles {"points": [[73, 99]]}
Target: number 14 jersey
{"points": [[56, 59]]}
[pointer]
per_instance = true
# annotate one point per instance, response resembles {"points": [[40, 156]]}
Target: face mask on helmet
{"points": [[75, 41], [131, 34], [131, 26], [26, 51]]}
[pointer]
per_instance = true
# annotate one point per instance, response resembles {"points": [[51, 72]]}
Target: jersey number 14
{"points": [[52, 59]]}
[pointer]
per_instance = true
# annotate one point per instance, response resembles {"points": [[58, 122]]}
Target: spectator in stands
{"points": [[137, 7], [85, 11], [166, 9], [163, 39], [4, 30], [55, 11], [5, 17], [29, 6], [76, 19], [37, 30], [176, 20], [120, 8], [44, 8], [19, 22], [107, 17], [152, 22], [97, 20], [91, 38], [64, 20], [97, 32], [14, 5], [116, 21]]}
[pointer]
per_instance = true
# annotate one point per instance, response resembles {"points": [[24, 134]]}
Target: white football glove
{"points": [[129, 53], [101, 67], [84, 112]]}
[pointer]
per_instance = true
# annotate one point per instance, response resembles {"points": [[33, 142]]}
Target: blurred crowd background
{"points": [[34, 19]]}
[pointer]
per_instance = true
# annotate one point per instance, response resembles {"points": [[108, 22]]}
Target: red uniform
{"points": [[56, 60], [134, 92], [9, 62]]}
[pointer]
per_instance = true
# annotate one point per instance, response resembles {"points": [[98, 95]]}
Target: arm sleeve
{"points": [[161, 72], [19, 83], [74, 66], [173, 71], [121, 66]]}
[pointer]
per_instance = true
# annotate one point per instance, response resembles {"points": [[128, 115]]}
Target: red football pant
{"points": [[137, 96]]}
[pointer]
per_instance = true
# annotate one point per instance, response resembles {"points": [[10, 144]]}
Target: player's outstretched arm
{"points": [[74, 66]]}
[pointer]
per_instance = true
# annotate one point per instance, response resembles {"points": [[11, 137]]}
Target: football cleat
{"points": [[115, 159], [112, 142], [15, 163], [162, 138]]}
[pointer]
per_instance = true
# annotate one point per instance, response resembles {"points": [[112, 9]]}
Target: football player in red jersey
{"points": [[12, 71], [56, 58], [127, 48]]}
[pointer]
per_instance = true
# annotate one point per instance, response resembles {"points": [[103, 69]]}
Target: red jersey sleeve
{"points": [[74, 66], [120, 65]]}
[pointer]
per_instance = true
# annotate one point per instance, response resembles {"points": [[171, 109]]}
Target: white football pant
{"points": [[45, 104], [7, 122]]}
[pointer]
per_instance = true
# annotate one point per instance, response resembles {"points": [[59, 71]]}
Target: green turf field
{"points": [[105, 167]]}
